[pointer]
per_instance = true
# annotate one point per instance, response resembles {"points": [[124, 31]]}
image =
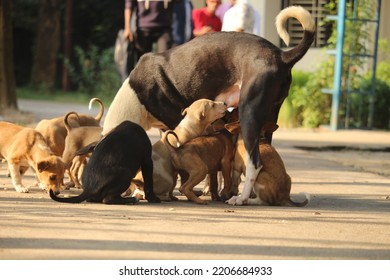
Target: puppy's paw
{"points": [[241, 201], [225, 197], [232, 200], [235, 200], [21, 189], [202, 202]]}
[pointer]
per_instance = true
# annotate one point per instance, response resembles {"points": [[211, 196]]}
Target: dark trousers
{"points": [[144, 41]]}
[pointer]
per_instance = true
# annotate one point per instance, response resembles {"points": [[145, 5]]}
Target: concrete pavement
{"points": [[347, 218]]}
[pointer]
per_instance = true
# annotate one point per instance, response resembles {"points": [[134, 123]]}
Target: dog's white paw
{"points": [[21, 189], [235, 200]]}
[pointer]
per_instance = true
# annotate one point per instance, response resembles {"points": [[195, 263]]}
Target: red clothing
{"points": [[201, 17]]}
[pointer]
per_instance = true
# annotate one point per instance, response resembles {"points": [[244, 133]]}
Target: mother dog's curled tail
{"points": [[303, 16]]}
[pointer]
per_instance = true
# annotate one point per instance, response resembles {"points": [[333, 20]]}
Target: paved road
{"points": [[347, 218], [48, 109]]}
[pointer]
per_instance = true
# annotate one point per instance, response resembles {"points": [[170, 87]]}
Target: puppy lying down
{"points": [[114, 162]]}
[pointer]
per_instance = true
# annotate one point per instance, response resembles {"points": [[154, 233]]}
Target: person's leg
{"points": [[164, 41], [144, 42]]}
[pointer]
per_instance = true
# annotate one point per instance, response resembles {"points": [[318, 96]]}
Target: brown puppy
{"points": [[24, 147], [55, 132], [199, 157], [197, 117], [76, 139], [273, 184]]}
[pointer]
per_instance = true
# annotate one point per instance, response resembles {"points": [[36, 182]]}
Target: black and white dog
{"points": [[115, 161], [240, 69]]}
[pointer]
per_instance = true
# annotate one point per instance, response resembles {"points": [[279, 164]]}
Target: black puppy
{"points": [[114, 162]]}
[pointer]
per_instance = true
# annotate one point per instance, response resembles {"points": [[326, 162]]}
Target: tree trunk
{"points": [[47, 43], [67, 43], [7, 74]]}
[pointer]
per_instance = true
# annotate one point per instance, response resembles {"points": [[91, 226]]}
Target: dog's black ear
{"points": [[42, 166], [87, 149]]}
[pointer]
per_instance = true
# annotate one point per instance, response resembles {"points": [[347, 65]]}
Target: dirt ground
{"points": [[348, 216]]}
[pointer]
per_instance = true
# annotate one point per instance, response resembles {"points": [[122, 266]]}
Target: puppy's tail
{"points": [[75, 199], [101, 111], [66, 122], [169, 144], [289, 202], [303, 16]]}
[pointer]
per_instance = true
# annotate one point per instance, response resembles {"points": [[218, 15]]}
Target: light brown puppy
{"points": [[76, 139], [54, 130], [199, 157], [197, 117], [23, 147], [273, 184]]}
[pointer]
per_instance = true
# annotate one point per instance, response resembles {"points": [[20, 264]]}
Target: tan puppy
{"points": [[273, 184], [24, 147], [55, 132], [197, 117], [76, 139], [199, 157]]}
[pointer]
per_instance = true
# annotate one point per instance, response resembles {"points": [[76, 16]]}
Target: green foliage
{"points": [[383, 67], [307, 106], [93, 23], [42, 93], [95, 73], [381, 117]]}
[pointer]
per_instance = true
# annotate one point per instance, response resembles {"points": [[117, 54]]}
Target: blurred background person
{"points": [[153, 25], [205, 20], [221, 10], [240, 17], [182, 24]]}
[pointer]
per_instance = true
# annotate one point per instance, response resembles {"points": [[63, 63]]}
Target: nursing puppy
{"points": [[197, 118], [76, 139], [55, 132], [240, 69], [24, 147], [273, 184], [113, 164], [199, 157]]}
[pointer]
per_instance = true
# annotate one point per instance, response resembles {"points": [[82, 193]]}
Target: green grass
{"points": [[57, 95]]}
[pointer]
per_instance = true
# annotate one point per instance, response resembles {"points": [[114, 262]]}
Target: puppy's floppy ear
{"points": [[202, 114], [43, 165], [233, 127], [184, 112]]}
